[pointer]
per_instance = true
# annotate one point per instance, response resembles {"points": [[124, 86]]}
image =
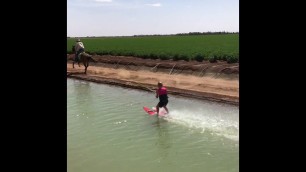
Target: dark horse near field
{"points": [[84, 58]]}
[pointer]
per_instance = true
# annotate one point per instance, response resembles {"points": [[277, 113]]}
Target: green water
{"points": [[108, 130]]}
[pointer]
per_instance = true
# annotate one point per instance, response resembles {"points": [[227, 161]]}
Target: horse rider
{"points": [[79, 48]]}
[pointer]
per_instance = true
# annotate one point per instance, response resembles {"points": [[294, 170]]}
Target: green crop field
{"points": [[191, 47]]}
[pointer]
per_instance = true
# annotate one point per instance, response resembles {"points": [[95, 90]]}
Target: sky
{"points": [[149, 17]]}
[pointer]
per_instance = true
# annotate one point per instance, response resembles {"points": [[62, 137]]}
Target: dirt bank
{"points": [[201, 80]]}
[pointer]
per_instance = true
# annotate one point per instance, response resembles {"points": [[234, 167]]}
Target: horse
{"points": [[84, 58]]}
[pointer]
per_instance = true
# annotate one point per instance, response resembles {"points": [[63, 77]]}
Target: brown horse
{"points": [[84, 58]]}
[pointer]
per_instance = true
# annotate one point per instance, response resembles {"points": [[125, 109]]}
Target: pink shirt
{"points": [[162, 91]]}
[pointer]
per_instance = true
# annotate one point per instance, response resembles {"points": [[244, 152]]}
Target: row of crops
{"points": [[192, 47]]}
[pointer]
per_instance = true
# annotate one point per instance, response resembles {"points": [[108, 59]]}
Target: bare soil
{"points": [[202, 80]]}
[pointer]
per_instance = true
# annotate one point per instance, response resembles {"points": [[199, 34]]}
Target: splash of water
{"points": [[226, 125]]}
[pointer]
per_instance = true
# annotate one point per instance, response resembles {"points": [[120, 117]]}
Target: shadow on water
{"points": [[84, 98], [83, 89], [163, 143]]}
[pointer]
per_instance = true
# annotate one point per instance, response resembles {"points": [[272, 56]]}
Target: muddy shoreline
{"points": [[150, 88]]}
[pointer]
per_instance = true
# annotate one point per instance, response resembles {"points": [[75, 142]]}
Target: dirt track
{"points": [[202, 80]]}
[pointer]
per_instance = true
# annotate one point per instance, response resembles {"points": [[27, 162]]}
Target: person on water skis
{"points": [[161, 93]]}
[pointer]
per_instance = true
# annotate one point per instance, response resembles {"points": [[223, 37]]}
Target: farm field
{"points": [[192, 47]]}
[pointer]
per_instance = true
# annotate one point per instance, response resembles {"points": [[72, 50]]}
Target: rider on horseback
{"points": [[79, 48]]}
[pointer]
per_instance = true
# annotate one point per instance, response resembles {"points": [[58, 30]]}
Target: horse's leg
{"points": [[86, 64], [85, 67], [75, 60]]}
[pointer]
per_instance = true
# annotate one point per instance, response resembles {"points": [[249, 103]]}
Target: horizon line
{"points": [[178, 34]]}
